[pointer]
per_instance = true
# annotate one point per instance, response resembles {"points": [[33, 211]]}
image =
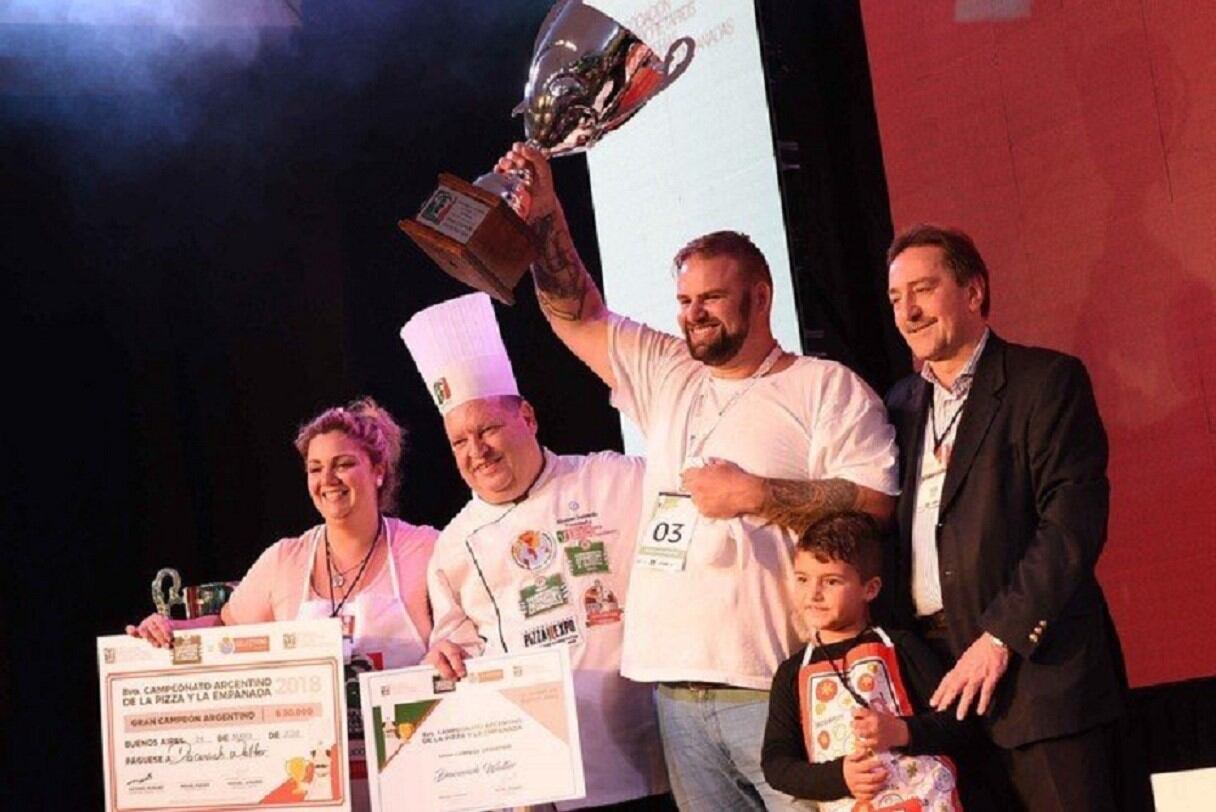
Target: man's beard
{"points": [[727, 344]]}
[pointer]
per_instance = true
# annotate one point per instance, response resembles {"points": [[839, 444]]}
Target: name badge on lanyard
{"points": [[348, 637], [929, 494], [932, 479], [668, 535]]}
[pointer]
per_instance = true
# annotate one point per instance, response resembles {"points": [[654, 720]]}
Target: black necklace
{"points": [[338, 579], [840, 675], [335, 582]]}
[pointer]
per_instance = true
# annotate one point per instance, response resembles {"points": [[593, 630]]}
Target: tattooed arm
{"points": [[723, 490], [798, 505], [567, 294], [565, 290]]}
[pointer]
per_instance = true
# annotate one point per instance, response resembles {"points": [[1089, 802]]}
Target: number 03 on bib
{"points": [[667, 536]]}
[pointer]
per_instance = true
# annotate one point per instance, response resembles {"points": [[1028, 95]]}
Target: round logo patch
{"points": [[533, 550]]}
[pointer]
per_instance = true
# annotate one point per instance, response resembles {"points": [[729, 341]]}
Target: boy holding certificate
{"points": [[847, 718]]}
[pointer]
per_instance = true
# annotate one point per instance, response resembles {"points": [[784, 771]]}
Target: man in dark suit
{"points": [[1001, 519]]}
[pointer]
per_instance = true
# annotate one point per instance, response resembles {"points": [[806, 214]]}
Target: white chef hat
{"points": [[459, 351]]}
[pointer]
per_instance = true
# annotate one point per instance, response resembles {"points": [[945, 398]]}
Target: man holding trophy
{"points": [[748, 444]]}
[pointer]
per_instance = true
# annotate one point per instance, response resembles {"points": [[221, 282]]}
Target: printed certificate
{"points": [[506, 735], [233, 717]]}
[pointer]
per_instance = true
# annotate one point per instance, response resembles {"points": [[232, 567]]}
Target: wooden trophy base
{"points": [[474, 236]]}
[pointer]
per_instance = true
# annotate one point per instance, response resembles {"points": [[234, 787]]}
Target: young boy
{"points": [[847, 718]]}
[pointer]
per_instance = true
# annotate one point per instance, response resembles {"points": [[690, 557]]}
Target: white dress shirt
{"points": [[941, 426]]}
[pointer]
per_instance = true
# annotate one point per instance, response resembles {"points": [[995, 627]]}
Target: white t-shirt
{"points": [[553, 570], [726, 617]]}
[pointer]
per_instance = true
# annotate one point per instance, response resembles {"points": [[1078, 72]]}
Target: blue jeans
{"points": [[712, 739]]}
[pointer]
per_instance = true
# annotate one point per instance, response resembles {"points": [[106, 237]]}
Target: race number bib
{"points": [[668, 535]]}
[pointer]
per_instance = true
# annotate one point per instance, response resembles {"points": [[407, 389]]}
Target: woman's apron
{"points": [[377, 634]]}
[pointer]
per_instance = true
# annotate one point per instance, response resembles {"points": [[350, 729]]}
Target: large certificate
{"points": [[505, 735], [233, 717]]}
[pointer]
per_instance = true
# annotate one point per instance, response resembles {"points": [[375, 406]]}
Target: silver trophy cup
{"points": [[196, 601], [589, 75]]}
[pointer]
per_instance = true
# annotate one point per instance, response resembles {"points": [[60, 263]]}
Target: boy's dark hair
{"points": [[850, 537]]}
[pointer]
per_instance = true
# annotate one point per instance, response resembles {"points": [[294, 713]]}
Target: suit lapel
{"points": [[981, 407], [914, 430]]}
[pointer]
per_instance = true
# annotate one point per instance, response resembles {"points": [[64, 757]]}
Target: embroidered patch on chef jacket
{"points": [[601, 604], [560, 632], [543, 595], [579, 528], [587, 558], [533, 550]]}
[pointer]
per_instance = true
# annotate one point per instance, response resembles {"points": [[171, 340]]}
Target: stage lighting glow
{"points": [[158, 13]]}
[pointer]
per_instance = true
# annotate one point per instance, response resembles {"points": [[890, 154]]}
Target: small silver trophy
{"points": [[196, 601]]}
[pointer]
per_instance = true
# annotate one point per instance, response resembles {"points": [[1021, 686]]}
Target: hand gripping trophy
{"points": [[589, 75]]}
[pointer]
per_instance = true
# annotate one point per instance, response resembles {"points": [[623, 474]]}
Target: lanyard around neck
{"points": [[841, 672], [336, 607], [696, 441], [939, 439]]}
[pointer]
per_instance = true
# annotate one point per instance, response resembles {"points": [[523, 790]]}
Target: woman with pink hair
{"points": [[360, 564]]}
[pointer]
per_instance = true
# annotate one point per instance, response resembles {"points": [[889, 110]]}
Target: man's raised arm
{"points": [[567, 294]]}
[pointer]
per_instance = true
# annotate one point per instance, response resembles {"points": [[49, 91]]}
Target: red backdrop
{"points": [[1076, 142]]}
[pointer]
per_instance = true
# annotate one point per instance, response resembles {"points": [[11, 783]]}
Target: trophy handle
{"points": [[165, 605], [672, 72]]}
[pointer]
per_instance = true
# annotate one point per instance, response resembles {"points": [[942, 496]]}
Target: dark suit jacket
{"points": [[1022, 521]]}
